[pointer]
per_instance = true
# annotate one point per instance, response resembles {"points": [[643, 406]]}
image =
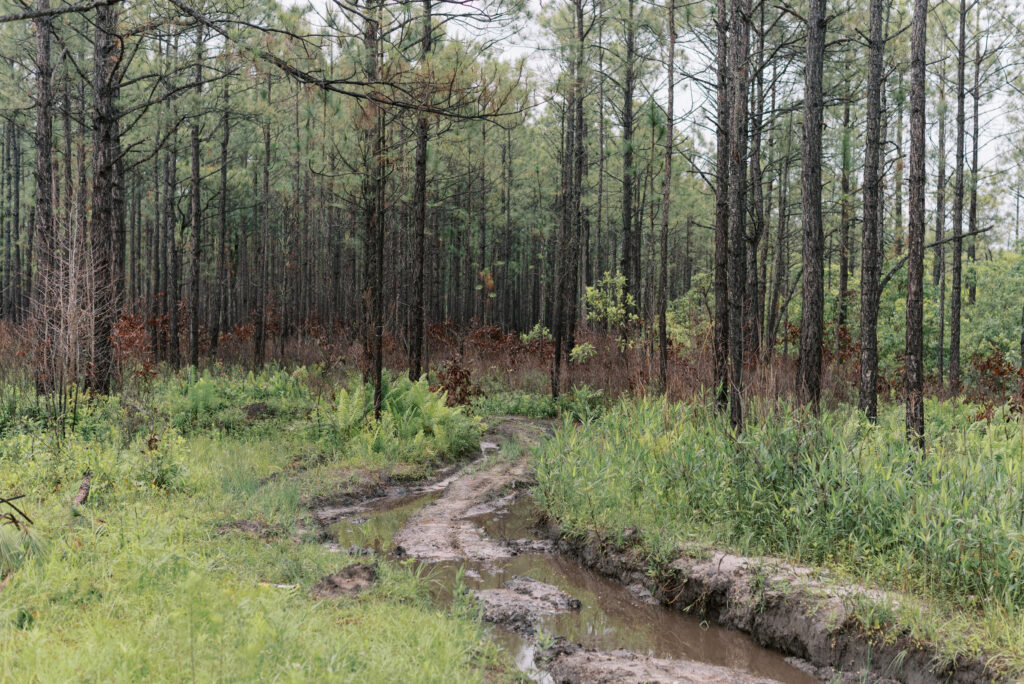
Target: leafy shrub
{"points": [[583, 403], [609, 304], [416, 424], [538, 333], [582, 353]]}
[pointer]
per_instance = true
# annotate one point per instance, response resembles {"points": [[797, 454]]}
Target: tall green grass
{"points": [[829, 489], [149, 582]]}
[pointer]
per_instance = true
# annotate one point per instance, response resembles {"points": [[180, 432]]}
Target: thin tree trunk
{"points": [[196, 219], [870, 266], [107, 197], [844, 231], [220, 315], [630, 244], [43, 228], [666, 202], [972, 211], [958, 210], [939, 267], [420, 212], [721, 275]]}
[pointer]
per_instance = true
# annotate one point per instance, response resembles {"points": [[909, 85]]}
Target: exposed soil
{"points": [[790, 609], [348, 581], [522, 600], [441, 531], [569, 663]]}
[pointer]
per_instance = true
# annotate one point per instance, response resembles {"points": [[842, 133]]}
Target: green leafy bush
{"points": [[538, 333], [416, 425], [582, 403], [582, 353]]}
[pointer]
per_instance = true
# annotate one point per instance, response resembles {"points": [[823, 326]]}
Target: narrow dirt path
{"points": [[448, 531]]}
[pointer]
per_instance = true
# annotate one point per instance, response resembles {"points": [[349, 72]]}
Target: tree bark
{"points": [[870, 266], [958, 210], [665, 203], [738, 55], [939, 266], [721, 275], [420, 211], [812, 312], [107, 195], [914, 356], [43, 228], [220, 313], [196, 214], [630, 240]]}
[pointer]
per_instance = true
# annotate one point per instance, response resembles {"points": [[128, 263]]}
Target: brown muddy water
{"points": [[611, 616]]}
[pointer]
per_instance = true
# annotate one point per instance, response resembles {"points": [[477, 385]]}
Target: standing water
{"points": [[609, 616]]}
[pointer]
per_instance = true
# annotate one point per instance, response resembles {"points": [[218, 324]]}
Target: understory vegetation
{"points": [[154, 578], [829, 490]]}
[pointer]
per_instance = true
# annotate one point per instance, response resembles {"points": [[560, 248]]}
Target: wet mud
{"points": [[348, 581], [474, 532]]}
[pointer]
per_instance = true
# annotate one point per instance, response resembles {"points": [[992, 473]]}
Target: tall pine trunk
{"points": [[870, 266], [812, 312], [721, 275], [914, 356]]}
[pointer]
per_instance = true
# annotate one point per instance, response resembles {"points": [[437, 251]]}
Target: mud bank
{"points": [[782, 607], [568, 663]]}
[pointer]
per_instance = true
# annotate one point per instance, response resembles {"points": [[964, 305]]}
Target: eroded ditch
{"points": [[474, 531]]}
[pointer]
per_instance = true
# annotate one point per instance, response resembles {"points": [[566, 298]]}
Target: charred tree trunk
{"points": [[870, 266], [44, 228], [738, 55], [721, 275], [107, 195], [420, 212], [914, 359], [812, 312], [666, 195]]}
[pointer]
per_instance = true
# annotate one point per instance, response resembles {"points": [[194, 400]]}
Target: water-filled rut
{"points": [[560, 621]]}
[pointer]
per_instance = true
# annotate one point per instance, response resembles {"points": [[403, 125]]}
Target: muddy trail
{"points": [[475, 532]]}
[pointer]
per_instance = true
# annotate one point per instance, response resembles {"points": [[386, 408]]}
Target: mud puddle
{"points": [[476, 535], [375, 525], [610, 616]]}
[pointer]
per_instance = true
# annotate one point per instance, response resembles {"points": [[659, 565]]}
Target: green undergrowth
{"points": [[151, 581], [829, 490], [581, 403]]}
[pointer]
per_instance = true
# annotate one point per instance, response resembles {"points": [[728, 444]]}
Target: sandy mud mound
{"points": [[522, 602], [348, 581], [569, 663]]}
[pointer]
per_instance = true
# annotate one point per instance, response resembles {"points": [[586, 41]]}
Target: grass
{"points": [[829, 490], [145, 582]]}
